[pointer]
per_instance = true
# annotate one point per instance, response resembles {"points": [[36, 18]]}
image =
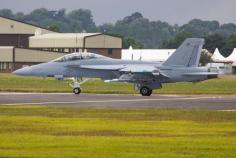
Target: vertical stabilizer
{"points": [[188, 53]]}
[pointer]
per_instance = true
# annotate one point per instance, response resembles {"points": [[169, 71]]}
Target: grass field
{"points": [[9, 82], [52, 132]]}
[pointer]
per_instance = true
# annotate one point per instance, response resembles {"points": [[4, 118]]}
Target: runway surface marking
{"points": [[228, 110], [112, 101], [36, 93], [46, 93]]}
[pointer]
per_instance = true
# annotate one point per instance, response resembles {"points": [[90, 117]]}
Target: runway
{"points": [[214, 102]]}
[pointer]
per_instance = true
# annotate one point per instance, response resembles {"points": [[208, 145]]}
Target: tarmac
{"points": [[213, 102]]}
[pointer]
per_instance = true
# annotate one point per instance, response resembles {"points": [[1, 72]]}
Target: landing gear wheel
{"points": [[77, 90], [145, 91]]}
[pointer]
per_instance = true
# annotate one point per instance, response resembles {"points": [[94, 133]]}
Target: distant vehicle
{"points": [[181, 66]]}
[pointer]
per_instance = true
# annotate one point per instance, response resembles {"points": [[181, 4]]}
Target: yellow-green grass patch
{"points": [[50, 131], [12, 83]]}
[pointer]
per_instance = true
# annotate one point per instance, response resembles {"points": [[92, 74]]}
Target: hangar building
{"points": [[24, 44], [13, 58], [99, 43], [16, 33]]}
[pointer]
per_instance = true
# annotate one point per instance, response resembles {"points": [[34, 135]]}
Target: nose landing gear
{"points": [[76, 85], [77, 90]]}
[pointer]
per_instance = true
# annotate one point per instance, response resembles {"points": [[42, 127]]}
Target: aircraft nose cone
{"points": [[23, 71]]}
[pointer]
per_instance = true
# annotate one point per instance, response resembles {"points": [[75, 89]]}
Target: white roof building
{"points": [[160, 55]]}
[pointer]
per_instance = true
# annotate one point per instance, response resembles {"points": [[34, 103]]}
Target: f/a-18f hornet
{"points": [[181, 66]]}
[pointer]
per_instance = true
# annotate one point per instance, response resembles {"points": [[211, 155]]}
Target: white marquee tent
{"points": [[223, 64], [217, 57], [232, 56]]}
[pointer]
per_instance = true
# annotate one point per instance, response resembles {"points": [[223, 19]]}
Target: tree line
{"points": [[136, 30], [225, 44]]}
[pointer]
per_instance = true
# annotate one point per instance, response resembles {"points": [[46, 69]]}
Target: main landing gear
{"points": [[145, 91]]}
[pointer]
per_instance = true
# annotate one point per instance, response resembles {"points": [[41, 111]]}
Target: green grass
{"points": [[43, 131], [9, 82]]}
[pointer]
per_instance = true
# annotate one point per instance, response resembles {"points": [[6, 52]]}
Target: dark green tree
{"points": [[214, 41], [6, 13], [227, 29], [82, 19], [150, 33], [54, 28], [127, 42], [230, 45], [19, 16], [200, 28], [176, 41], [106, 28]]}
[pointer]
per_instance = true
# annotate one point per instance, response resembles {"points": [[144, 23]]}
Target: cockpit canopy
{"points": [[78, 56]]}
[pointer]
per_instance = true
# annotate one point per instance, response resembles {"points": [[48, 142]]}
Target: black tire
{"points": [[150, 92], [76, 90], [145, 91]]}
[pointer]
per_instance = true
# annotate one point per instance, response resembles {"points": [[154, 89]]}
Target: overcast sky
{"points": [[171, 11]]}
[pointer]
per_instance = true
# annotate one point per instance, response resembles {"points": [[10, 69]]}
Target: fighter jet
{"points": [[181, 66]]}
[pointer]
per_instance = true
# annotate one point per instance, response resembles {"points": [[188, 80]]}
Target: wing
{"points": [[98, 67], [122, 68], [128, 73], [201, 73]]}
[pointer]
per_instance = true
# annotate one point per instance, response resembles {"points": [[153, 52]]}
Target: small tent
{"points": [[232, 56], [217, 57]]}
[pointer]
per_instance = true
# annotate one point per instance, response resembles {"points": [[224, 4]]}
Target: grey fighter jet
{"points": [[182, 66]]}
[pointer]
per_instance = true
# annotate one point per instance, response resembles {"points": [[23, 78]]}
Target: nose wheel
{"points": [[76, 85], [145, 91], [77, 90]]}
